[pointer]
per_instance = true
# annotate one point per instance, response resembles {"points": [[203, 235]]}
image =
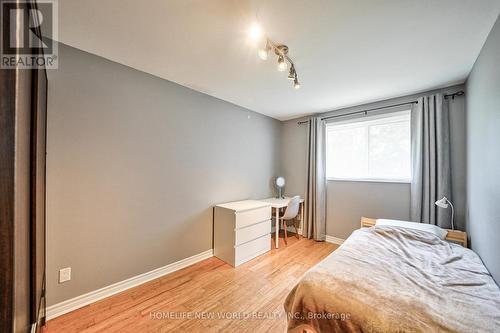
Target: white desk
{"points": [[276, 204]]}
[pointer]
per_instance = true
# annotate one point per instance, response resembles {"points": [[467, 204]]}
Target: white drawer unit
{"points": [[241, 230]]}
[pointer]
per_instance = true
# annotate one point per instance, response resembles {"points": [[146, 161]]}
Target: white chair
{"points": [[290, 214]]}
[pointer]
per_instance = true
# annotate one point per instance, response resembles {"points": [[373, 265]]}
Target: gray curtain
{"points": [[314, 225], [430, 131]]}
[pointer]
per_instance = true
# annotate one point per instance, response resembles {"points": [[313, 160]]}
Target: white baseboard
{"points": [[69, 305], [334, 240]]}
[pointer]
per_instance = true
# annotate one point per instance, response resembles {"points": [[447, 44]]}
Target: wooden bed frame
{"points": [[455, 236]]}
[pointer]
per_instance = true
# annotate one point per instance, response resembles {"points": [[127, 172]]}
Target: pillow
{"points": [[433, 229]]}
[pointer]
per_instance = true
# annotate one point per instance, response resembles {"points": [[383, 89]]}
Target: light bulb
{"points": [[296, 84], [281, 64], [263, 54], [255, 31]]}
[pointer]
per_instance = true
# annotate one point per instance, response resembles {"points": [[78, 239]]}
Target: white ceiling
{"points": [[346, 52]]}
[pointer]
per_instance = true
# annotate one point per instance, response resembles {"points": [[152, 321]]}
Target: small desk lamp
{"points": [[443, 203], [280, 183]]}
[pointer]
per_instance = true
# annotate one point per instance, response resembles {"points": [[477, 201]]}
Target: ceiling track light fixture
{"points": [[281, 51], [291, 73]]}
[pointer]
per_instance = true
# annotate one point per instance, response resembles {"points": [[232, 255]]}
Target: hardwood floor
{"points": [[248, 298]]}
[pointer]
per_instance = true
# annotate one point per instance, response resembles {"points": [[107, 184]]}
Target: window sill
{"points": [[367, 180]]}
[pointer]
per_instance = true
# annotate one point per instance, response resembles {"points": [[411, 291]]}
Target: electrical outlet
{"points": [[64, 274]]}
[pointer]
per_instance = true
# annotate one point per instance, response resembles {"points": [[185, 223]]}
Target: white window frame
{"points": [[370, 120]]}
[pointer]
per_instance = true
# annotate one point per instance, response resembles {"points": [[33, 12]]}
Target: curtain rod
{"points": [[369, 110], [458, 93]]}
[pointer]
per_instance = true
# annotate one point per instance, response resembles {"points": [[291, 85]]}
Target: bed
{"points": [[387, 278]]}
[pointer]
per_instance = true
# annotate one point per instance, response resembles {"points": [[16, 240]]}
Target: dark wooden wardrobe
{"points": [[23, 119]]}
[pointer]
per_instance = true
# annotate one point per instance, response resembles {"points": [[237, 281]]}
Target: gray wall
{"points": [[135, 164], [348, 201], [483, 145]]}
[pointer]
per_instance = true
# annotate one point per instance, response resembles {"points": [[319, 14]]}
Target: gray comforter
{"points": [[390, 279]]}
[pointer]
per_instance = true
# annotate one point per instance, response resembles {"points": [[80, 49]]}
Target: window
{"points": [[375, 148]]}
